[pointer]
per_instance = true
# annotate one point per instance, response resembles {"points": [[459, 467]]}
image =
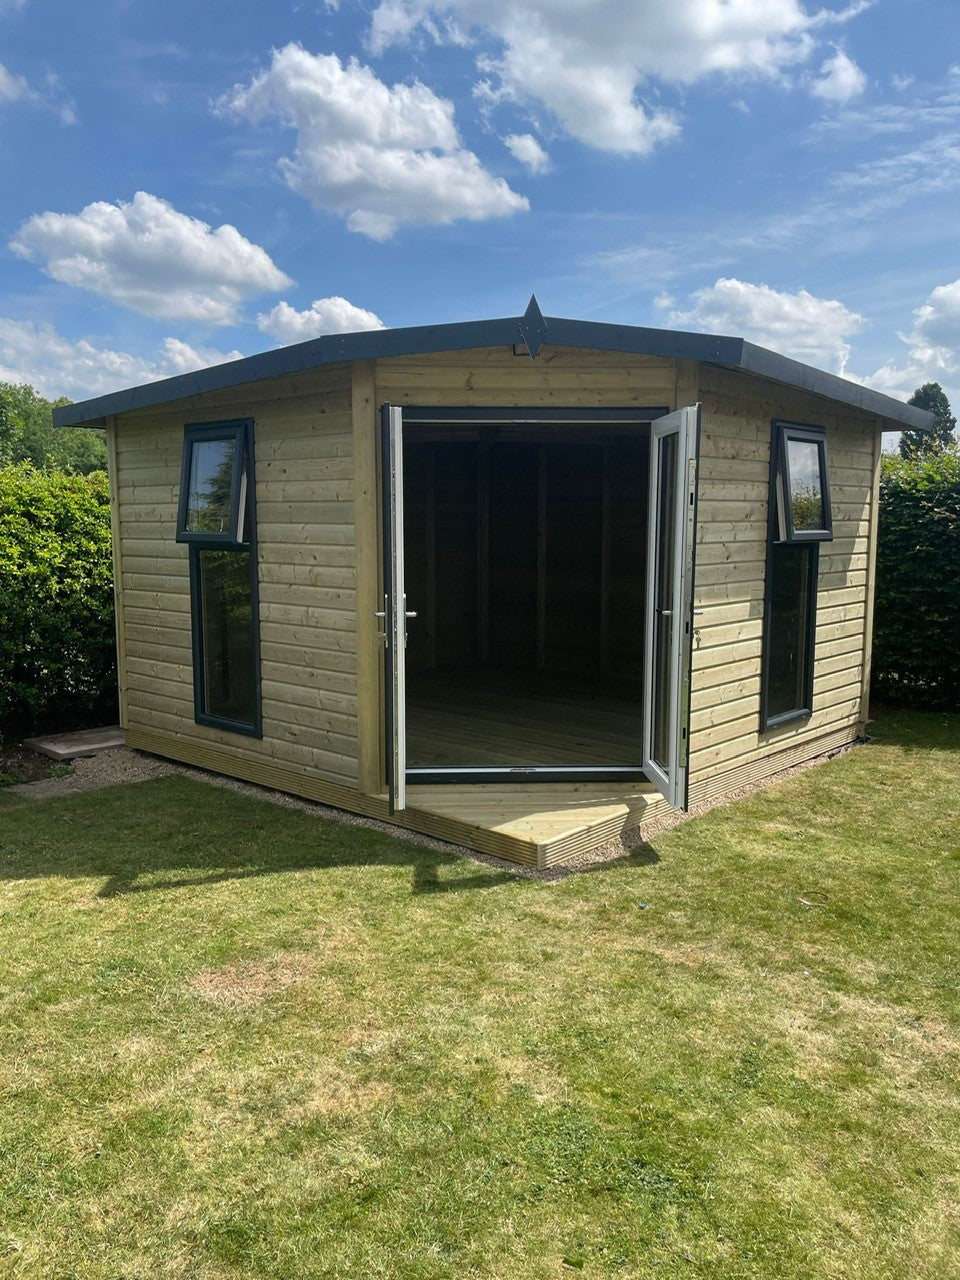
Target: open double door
{"points": [[668, 620]]}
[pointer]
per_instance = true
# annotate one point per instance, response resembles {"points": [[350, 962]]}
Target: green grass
{"points": [[237, 1041]]}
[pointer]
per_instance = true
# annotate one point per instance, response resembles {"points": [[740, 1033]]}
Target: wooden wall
{"points": [[305, 520], [727, 748], [317, 497]]}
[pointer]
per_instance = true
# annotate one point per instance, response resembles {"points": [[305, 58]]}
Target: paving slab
{"points": [[85, 742]]}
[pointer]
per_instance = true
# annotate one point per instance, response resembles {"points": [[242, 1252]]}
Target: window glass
{"points": [[210, 486], [668, 447], [791, 576], [806, 490], [227, 654]]}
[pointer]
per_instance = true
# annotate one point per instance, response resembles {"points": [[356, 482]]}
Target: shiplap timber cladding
{"points": [[496, 376], [303, 451], [316, 443], [727, 748]]}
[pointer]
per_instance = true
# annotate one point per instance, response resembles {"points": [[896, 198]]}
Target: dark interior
{"points": [[525, 554]]}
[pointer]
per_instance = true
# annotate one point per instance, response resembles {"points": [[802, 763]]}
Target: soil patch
{"points": [[18, 764]]}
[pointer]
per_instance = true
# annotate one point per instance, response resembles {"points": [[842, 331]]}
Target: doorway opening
{"points": [[525, 553]]}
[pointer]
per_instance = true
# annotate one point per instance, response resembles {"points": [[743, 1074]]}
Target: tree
{"points": [[931, 397], [27, 434]]}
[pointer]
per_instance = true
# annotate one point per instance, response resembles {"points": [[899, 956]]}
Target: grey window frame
{"points": [[241, 430], [802, 542], [781, 496]]}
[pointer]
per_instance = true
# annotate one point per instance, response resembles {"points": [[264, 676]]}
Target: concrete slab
{"points": [[86, 742]]}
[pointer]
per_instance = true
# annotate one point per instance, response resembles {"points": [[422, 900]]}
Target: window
{"points": [[213, 484], [217, 518], [800, 484], [800, 519]]}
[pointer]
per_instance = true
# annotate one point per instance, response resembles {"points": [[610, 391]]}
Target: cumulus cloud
{"points": [[525, 148], [588, 61], [382, 156], [840, 80], [325, 315], [149, 256], [37, 354], [808, 328], [933, 344]]}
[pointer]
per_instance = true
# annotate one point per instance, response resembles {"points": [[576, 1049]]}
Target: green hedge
{"points": [[57, 655], [916, 650]]}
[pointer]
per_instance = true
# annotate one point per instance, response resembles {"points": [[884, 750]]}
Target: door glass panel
{"points": [[806, 492], [663, 619]]}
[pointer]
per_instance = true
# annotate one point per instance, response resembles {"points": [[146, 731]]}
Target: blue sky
{"points": [[182, 182]]}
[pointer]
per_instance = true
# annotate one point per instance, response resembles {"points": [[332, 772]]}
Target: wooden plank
{"points": [[483, 551], [368, 576], [541, 557], [687, 384], [113, 474], [867, 655], [606, 506]]}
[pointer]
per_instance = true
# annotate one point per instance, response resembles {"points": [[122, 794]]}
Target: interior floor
{"points": [[485, 716]]}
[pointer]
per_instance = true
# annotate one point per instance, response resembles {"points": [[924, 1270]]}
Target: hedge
{"points": [[57, 654], [916, 649]]}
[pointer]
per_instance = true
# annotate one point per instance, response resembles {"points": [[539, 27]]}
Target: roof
{"points": [[532, 330]]}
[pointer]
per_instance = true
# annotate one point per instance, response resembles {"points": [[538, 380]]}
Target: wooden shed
{"points": [[518, 584]]}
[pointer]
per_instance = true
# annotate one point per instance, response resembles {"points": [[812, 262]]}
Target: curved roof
{"points": [[532, 330]]}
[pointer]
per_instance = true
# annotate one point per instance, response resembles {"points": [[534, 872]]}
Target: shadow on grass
{"points": [[914, 730], [177, 833]]}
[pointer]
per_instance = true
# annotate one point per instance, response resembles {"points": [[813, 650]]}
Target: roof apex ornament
{"points": [[533, 327]]}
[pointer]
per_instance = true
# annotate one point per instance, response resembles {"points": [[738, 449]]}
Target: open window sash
{"points": [[212, 508], [669, 601], [394, 612]]}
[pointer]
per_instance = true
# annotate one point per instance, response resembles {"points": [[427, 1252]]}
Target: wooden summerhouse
{"points": [[517, 584]]}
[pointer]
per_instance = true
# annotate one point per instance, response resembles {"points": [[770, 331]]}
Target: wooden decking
{"points": [[538, 824], [487, 716]]}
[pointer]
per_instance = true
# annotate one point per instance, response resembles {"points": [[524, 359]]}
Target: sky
{"points": [[182, 183]]}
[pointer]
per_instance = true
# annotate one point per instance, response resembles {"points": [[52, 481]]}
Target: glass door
{"points": [[394, 613], [669, 601]]}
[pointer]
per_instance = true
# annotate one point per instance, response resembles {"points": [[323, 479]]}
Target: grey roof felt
{"points": [[530, 330]]}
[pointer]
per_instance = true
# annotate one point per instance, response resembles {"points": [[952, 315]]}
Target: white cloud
{"points": [[795, 324], [56, 367], [934, 348], [840, 80], [13, 87], [588, 60], [382, 156], [525, 148], [148, 256], [16, 88], [326, 315]]}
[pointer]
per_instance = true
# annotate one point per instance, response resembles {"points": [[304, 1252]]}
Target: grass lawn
{"points": [[238, 1041]]}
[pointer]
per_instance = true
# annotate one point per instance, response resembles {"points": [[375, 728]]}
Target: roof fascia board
{"points": [[768, 364], [428, 339], [299, 358]]}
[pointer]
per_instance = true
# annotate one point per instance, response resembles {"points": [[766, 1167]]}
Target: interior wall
{"points": [[526, 552]]}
